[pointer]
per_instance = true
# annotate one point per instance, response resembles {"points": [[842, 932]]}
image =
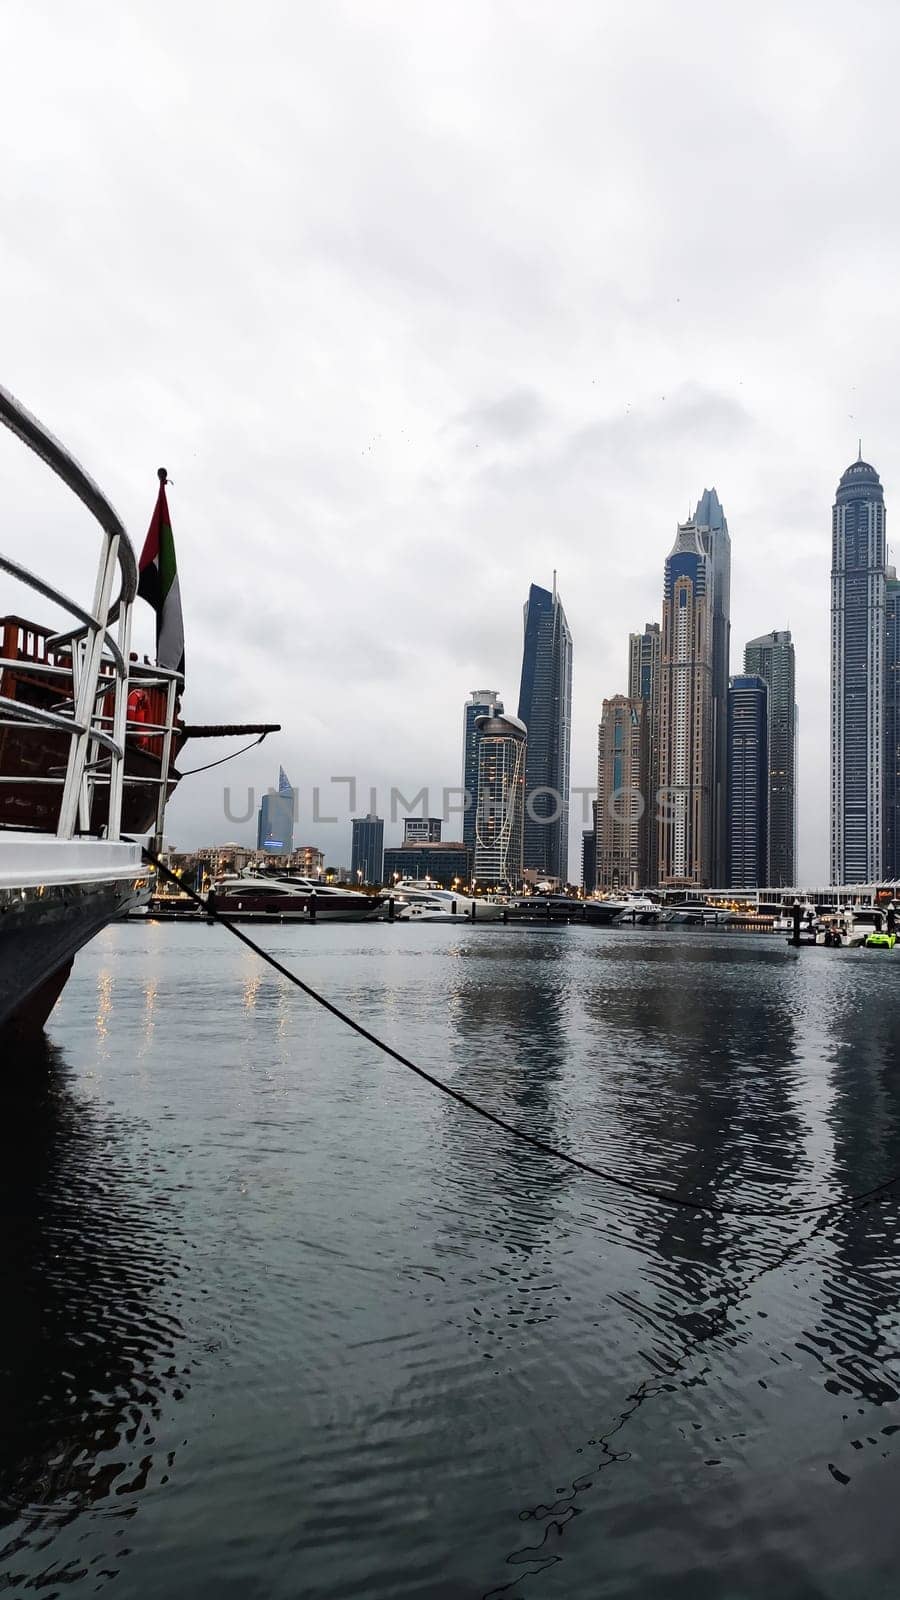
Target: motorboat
{"points": [[472, 908], [880, 941], [853, 926], [88, 738], [637, 909], [267, 897], [428, 911]]}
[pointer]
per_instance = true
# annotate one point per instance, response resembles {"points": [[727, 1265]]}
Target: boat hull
{"points": [[44, 923]]}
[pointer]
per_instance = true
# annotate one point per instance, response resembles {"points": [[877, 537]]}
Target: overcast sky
{"points": [[419, 302]]}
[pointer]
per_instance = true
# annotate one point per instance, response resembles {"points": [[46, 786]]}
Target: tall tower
{"points": [[622, 760], [892, 728], [481, 703], [501, 800], [275, 820], [643, 684], [748, 782], [710, 521], [857, 676], [686, 753], [545, 707], [367, 849], [772, 657]]}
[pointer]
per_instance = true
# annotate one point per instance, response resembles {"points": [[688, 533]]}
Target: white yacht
{"points": [[464, 906]]}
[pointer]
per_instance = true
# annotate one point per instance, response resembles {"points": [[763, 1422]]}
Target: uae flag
{"points": [[158, 583]]}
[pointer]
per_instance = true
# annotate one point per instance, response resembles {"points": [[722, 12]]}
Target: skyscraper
{"points": [[892, 727], [748, 782], [500, 809], [713, 528], [481, 703], [367, 851], [857, 676], [772, 658], [275, 822], [545, 707], [686, 753], [622, 760], [643, 684]]}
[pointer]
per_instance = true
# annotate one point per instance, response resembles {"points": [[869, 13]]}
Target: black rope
{"points": [[647, 1190], [222, 759]]}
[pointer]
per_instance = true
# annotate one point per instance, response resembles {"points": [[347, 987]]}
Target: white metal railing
{"points": [[99, 657]]}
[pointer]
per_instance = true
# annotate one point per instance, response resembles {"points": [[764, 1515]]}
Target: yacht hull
{"points": [[44, 923]]}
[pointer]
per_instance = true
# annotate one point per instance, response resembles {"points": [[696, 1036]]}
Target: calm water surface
{"points": [[279, 1320]]}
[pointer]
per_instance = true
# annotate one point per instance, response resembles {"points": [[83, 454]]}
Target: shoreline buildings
{"points": [[545, 710], [481, 703]]}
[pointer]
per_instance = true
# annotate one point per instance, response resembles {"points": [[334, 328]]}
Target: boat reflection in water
{"points": [[91, 1342]]}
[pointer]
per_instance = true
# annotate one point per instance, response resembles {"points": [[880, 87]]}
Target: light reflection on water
{"points": [[300, 1325]]}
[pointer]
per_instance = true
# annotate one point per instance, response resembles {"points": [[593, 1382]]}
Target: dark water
{"points": [[278, 1320]]}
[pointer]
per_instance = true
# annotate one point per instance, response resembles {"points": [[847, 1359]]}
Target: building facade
{"points": [[748, 782], [275, 822], [500, 810], [892, 728], [621, 815], [367, 849], [858, 637], [772, 657], [644, 657], [686, 726], [421, 830], [481, 703], [713, 528], [447, 863], [589, 855], [545, 707]]}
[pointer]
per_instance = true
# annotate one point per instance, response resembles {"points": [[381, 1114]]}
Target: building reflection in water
{"points": [[90, 1334]]}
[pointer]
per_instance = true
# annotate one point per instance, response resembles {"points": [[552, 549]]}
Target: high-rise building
{"points": [[481, 703], [748, 782], [858, 555], [686, 751], [644, 654], [275, 822], [772, 657], [500, 809], [421, 830], [589, 855], [545, 707], [622, 764], [709, 519], [892, 728], [367, 850]]}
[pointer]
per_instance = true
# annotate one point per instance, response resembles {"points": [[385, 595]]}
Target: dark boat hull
{"points": [[40, 934]]}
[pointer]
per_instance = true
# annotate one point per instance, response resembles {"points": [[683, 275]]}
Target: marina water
{"points": [[281, 1320]]}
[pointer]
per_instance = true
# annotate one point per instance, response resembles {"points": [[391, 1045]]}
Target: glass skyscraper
{"points": [[545, 707], [622, 757], [892, 728], [858, 638], [772, 657], [686, 752], [709, 519], [367, 850], [644, 655], [481, 703], [748, 782], [275, 822]]}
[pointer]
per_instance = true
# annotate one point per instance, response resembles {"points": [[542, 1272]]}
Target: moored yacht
{"points": [[267, 897], [474, 908]]}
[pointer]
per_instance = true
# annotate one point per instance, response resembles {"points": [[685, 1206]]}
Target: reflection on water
{"points": [[284, 1321], [89, 1340]]}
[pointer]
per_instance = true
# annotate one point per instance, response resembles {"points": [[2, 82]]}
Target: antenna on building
{"points": [[554, 586], [859, 457]]}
